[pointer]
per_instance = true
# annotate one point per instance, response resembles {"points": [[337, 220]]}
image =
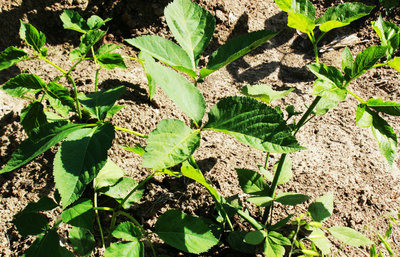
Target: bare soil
{"points": [[340, 158]]}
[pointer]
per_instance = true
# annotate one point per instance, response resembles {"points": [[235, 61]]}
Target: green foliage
{"points": [[22, 84], [33, 37], [82, 240], [264, 93], [185, 232], [11, 56], [322, 208], [119, 190], [349, 236], [80, 214], [33, 116]]}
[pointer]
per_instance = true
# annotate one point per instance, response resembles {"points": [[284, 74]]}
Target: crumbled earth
{"points": [[340, 157]]}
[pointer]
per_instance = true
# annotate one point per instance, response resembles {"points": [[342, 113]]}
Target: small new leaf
{"points": [[291, 198], [388, 33], [111, 61], [264, 92], [32, 36], [127, 231]]}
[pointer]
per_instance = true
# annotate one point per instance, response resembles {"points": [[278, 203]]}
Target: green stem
{"points": [[73, 66], [379, 65], [136, 187], [277, 175], [266, 160], [356, 96], [131, 58], [96, 80], [53, 64], [78, 107], [306, 114], [130, 131], [294, 239], [112, 226], [98, 220]]}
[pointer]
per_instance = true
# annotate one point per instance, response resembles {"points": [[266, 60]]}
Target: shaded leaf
{"points": [[109, 175], [82, 240], [251, 182], [32, 117], [121, 189], [88, 40], [236, 242], [280, 223], [234, 49], [95, 22], [381, 130], [342, 15], [274, 244], [80, 215], [291, 198], [47, 136], [44, 204], [59, 92], [166, 51], [171, 143], [191, 25], [322, 208], [111, 61], [32, 36], [389, 4], [125, 249], [185, 232], [253, 123], [47, 245], [22, 84], [349, 236], [31, 223], [146, 58], [100, 103], [79, 159], [11, 56], [183, 93], [264, 92], [255, 237], [347, 63]]}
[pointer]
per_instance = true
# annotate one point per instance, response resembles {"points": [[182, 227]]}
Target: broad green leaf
{"points": [[388, 33], [22, 84], [264, 92], [322, 208], [125, 249], [106, 48], [301, 22], [191, 25], [342, 15], [11, 56], [47, 136], [109, 175], [274, 245], [327, 73], [234, 49], [304, 7], [146, 58], [59, 92], [291, 198], [95, 22], [47, 245], [388, 107], [255, 237], [137, 149], [80, 214], [382, 131], [171, 143], [74, 21], [347, 63], [121, 189], [286, 172], [327, 89], [82, 240], [88, 40], [349, 236], [185, 232], [253, 123], [321, 242], [324, 105], [99, 103], [251, 182], [284, 5], [261, 201], [367, 59], [111, 61], [235, 240], [395, 63], [114, 109], [61, 109], [44, 204], [166, 51], [79, 159], [33, 116], [30, 223], [183, 93], [32, 36], [128, 231]]}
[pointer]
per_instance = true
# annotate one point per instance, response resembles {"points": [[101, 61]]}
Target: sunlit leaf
{"points": [[80, 214], [264, 92], [22, 84], [349, 236], [388, 33], [32, 36], [11, 56], [322, 208]]}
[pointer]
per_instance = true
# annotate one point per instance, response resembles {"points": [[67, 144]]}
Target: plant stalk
{"points": [[250, 220], [136, 187], [98, 220], [130, 131], [294, 238], [112, 226]]}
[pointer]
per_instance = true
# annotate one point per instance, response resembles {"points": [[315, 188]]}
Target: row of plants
{"points": [[82, 124]]}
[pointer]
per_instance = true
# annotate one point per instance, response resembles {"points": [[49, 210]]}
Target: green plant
{"points": [[85, 131]]}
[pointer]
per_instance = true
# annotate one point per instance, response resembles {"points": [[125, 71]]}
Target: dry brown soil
{"points": [[340, 158]]}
